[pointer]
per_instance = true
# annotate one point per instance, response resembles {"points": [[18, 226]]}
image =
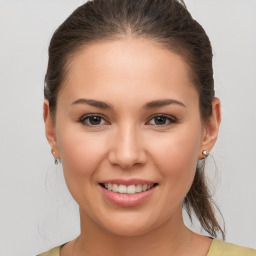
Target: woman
{"points": [[131, 113]]}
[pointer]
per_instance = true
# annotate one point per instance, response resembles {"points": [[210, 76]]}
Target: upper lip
{"points": [[128, 182]]}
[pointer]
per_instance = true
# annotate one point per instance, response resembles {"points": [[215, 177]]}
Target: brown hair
{"points": [[166, 22]]}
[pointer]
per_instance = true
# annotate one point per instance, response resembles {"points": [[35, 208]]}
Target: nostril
{"points": [[127, 154]]}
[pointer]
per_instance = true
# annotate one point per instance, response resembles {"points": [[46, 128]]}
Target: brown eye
{"points": [[92, 120], [161, 120]]}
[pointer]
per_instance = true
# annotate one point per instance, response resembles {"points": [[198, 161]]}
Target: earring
{"points": [[205, 153], [55, 159]]}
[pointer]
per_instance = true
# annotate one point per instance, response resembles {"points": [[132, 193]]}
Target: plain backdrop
{"points": [[36, 210]]}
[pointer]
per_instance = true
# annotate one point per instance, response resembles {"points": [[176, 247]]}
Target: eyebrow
{"points": [[94, 103], [151, 104], [160, 103]]}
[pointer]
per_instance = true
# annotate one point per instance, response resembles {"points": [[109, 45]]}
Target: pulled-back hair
{"points": [[166, 22]]}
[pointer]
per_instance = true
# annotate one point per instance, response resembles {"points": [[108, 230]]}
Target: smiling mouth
{"points": [[130, 189]]}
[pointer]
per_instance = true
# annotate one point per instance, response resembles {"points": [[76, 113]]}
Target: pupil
{"points": [[95, 120], [160, 120]]}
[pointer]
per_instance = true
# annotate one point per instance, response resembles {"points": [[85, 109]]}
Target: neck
{"points": [[171, 238]]}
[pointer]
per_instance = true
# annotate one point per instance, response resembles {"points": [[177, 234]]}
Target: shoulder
{"points": [[220, 248], [53, 252]]}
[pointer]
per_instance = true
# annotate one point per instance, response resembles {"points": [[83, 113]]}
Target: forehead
{"points": [[130, 69]]}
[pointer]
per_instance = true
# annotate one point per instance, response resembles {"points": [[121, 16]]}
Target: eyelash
{"points": [[86, 117], [169, 118]]}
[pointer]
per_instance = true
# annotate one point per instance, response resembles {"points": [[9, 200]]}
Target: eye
{"points": [[93, 120], [162, 120]]}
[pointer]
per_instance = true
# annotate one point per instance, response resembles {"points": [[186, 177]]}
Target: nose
{"points": [[127, 148]]}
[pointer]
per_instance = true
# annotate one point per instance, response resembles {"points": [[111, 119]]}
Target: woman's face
{"points": [[128, 114]]}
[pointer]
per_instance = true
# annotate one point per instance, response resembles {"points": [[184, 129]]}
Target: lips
{"points": [[127, 193]]}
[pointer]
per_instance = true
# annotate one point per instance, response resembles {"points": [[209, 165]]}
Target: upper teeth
{"points": [[131, 189]]}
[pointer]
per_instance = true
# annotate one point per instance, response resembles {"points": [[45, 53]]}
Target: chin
{"points": [[131, 224], [128, 230]]}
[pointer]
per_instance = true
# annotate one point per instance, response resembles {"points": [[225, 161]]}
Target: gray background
{"points": [[36, 210]]}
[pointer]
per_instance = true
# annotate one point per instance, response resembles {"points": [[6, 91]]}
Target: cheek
{"points": [[81, 152], [176, 157]]}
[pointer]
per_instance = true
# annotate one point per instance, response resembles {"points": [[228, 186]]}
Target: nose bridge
{"points": [[127, 149]]}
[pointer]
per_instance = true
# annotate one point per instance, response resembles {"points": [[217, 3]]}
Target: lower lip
{"points": [[127, 200]]}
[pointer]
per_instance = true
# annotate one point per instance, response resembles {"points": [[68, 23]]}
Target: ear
{"points": [[211, 128], [50, 129]]}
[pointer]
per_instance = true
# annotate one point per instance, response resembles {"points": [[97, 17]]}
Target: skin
{"points": [[129, 143]]}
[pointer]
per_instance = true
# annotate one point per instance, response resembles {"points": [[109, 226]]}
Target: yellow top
{"points": [[220, 248], [217, 248]]}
